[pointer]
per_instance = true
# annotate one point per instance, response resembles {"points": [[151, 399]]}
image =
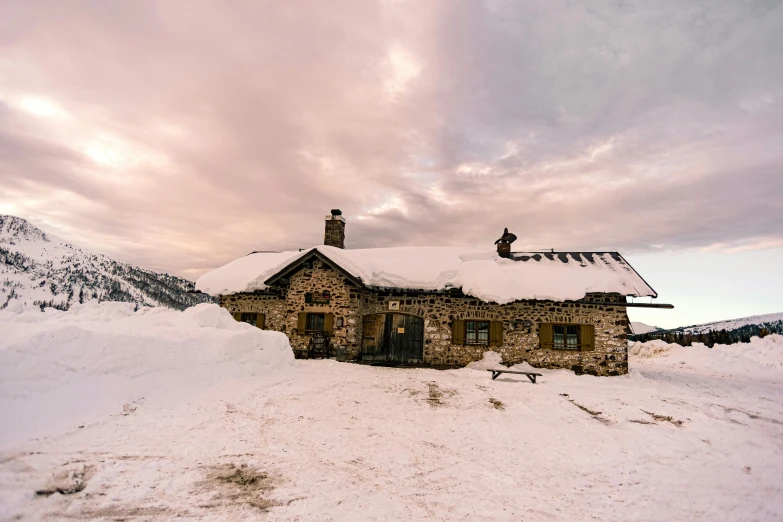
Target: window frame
{"points": [[564, 345], [475, 331], [309, 330], [244, 317]]}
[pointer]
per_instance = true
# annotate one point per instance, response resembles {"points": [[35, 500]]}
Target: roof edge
{"points": [[291, 267], [655, 294]]}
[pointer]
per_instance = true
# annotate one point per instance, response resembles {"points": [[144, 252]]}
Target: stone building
{"points": [[438, 305]]}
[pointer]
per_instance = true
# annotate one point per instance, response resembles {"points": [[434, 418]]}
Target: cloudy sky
{"points": [[179, 135]]}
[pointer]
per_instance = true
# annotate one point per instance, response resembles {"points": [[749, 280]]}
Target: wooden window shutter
{"points": [[458, 331], [261, 320], [237, 316], [546, 335], [587, 336], [496, 333], [301, 323], [328, 323]]}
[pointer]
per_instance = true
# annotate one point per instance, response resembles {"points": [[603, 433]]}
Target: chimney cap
{"points": [[336, 212]]}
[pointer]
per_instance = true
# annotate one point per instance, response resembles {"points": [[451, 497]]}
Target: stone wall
{"points": [[283, 310], [520, 320]]}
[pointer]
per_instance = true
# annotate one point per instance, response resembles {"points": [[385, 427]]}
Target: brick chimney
{"points": [[334, 233]]}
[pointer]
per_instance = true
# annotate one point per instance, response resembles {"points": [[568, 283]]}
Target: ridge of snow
{"points": [[761, 357], [52, 362], [478, 272]]}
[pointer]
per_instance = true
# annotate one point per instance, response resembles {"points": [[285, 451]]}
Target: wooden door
{"points": [[394, 338], [373, 329]]}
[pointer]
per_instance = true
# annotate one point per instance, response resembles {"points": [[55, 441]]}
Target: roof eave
{"points": [[654, 293], [294, 266]]}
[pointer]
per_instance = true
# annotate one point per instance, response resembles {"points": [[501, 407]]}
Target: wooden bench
{"points": [[530, 375]]}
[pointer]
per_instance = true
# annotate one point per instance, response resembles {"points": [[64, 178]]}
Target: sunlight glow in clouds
{"points": [[41, 107], [403, 69], [639, 127]]}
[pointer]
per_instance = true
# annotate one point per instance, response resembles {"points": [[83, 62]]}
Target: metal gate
{"points": [[394, 338]]}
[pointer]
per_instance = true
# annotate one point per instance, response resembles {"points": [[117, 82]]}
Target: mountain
{"points": [[722, 332], [641, 328], [38, 269], [769, 321]]}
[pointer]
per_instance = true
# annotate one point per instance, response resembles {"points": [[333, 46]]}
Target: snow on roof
{"points": [[481, 273]]}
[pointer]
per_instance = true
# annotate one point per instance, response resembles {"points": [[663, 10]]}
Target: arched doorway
{"points": [[394, 338]]}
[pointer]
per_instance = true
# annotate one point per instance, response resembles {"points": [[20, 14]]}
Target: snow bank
{"points": [[478, 272], [762, 357], [62, 369], [490, 361]]}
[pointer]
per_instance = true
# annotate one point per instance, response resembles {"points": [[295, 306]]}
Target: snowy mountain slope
{"points": [[733, 324], [642, 328], [723, 332], [39, 269]]}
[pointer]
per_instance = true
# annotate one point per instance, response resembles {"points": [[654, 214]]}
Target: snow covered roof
{"points": [[480, 273]]}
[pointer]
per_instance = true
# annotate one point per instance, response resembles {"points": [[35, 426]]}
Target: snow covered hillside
{"points": [[36, 268], [642, 328], [770, 321], [160, 415]]}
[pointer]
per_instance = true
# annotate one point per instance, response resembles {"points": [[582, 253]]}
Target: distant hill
{"points": [[641, 328], [721, 332], [39, 269], [768, 320]]}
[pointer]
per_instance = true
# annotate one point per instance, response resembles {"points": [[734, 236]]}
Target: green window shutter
{"points": [[458, 331], [587, 337], [301, 323], [496, 333], [237, 316], [261, 320], [328, 323], [546, 336]]}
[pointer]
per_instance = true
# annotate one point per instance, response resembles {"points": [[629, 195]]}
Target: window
{"points": [[566, 337], [253, 318], [248, 318], [315, 323], [308, 323], [477, 332]]}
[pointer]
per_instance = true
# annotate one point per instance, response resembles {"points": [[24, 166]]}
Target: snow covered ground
{"points": [[264, 438]]}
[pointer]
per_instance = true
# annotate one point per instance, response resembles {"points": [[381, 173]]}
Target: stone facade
{"points": [[521, 321]]}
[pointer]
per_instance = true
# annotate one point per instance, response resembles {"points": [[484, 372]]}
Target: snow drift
{"points": [[760, 357], [61, 369]]}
